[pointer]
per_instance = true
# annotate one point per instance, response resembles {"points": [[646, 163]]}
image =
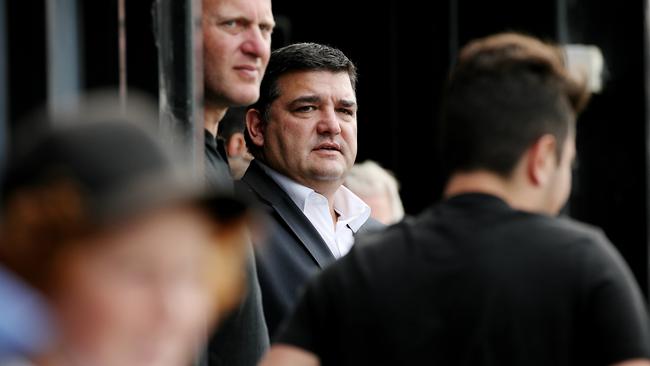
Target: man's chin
{"points": [[331, 174], [242, 98], [245, 100], [245, 92]]}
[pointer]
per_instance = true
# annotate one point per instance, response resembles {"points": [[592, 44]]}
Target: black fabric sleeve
{"points": [[306, 328], [617, 313], [336, 316]]}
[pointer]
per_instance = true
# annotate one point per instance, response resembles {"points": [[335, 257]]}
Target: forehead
{"points": [[251, 8], [319, 83], [170, 228]]}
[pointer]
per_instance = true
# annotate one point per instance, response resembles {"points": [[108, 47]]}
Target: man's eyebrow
{"points": [[236, 17], [347, 103], [305, 99], [268, 23]]}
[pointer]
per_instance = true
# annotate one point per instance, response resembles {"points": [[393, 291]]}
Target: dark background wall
{"points": [[611, 189], [403, 50]]}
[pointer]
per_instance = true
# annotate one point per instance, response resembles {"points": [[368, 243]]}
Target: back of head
{"points": [[106, 222], [82, 172], [72, 180], [506, 91], [295, 58]]}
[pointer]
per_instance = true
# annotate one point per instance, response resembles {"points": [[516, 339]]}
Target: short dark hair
{"points": [[292, 58], [505, 92]]}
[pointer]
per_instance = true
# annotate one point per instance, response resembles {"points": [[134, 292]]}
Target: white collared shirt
{"points": [[351, 210]]}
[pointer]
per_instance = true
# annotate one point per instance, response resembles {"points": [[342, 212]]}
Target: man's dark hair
{"points": [[505, 92], [293, 58]]}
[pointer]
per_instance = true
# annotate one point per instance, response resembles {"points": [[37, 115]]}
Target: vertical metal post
{"points": [[393, 76], [63, 48], [561, 22], [180, 75], [121, 50], [646, 65], [4, 85], [453, 32]]}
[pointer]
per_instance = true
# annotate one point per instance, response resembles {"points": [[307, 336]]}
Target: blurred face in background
{"points": [[238, 156], [137, 294], [380, 207], [237, 47]]}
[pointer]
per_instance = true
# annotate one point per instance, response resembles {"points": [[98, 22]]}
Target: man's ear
{"points": [[255, 126], [542, 160], [236, 145]]}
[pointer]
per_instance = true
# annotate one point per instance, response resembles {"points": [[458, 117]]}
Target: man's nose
{"points": [[255, 43], [329, 122]]}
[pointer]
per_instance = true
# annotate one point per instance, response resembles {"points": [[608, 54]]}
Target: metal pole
{"points": [[63, 48], [180, 75], [393, 77], [561, 22], [453, 32], [4, 85], [121, 35], [646, 65]]}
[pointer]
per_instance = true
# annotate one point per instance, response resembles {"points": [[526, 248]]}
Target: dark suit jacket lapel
{"points": [[270, 192], [370, 226]]}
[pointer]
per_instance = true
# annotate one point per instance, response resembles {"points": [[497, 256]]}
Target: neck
{"points": [[515, 192], [327, 188], [329, 194], [212, 115]]}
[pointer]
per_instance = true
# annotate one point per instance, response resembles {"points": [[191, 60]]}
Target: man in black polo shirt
{"points": [[236, 50], [488, 276]]}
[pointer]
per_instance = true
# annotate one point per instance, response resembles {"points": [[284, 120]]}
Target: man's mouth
{"points": [[328, 146], [248, 71]]}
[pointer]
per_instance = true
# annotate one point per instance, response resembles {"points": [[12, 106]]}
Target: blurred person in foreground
{"points": [[134, 259], [378, 188], [25, 323], [489, 276]]}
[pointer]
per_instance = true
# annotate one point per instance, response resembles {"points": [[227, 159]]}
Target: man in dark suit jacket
{"points": [[303, 135]]}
